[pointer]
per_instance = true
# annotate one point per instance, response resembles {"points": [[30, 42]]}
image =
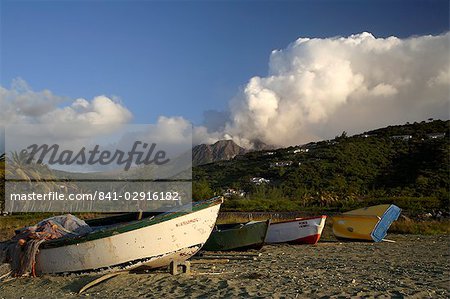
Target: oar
{"points": [[100, 279], [389, 241], [5, 275]]}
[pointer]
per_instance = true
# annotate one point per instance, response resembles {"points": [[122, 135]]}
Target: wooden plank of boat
{"points": [[297, 231], [153, 242], [237, 236], [370, 224]]}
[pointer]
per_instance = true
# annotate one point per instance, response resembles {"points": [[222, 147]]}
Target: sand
{"points": [[413, 266]]}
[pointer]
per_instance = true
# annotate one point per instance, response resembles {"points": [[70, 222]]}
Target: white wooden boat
{"points": [[297, 231], [118, 245]]}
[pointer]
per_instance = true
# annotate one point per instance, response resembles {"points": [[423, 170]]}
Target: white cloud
{"points": [[22, 105], [316, 88], [100, 111]]}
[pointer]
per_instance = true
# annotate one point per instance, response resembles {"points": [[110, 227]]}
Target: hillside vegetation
{"points": [[407, 165]]}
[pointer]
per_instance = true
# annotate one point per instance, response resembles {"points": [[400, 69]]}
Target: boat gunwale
{"points": [[355, 216], [367, 208], [300, 219], [257, 245], [244, 225], [130, 226]]}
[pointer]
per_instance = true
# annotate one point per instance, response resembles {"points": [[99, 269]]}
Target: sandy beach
{"points": [[412, 266]]}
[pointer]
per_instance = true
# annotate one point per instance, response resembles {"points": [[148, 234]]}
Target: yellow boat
{"points": [[369, 223]]}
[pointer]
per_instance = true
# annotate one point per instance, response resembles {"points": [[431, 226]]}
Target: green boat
{"points": [[237, 236]]}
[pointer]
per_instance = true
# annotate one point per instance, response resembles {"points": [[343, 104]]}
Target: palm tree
{"points": [[21, 168]]}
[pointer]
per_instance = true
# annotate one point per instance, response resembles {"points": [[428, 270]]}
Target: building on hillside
{"points": [[281, 164], [436, 135], [300, 150], [233, 192], [259, 180], [402, 137]]}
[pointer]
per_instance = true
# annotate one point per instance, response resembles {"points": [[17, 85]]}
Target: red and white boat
{"points": [[297, 231]]}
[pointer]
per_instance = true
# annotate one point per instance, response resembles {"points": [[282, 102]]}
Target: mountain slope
{"points": [[221, 150]]}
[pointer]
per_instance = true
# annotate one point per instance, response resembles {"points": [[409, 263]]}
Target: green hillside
{"points": [[407, 165]]}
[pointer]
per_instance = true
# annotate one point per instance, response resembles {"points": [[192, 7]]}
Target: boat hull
{"points": [[238, 237], [175, 237], [354, 226], [368, 224], [297, 231]]}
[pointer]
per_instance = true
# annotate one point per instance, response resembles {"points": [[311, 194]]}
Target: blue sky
{"points": [[180, 58]]}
